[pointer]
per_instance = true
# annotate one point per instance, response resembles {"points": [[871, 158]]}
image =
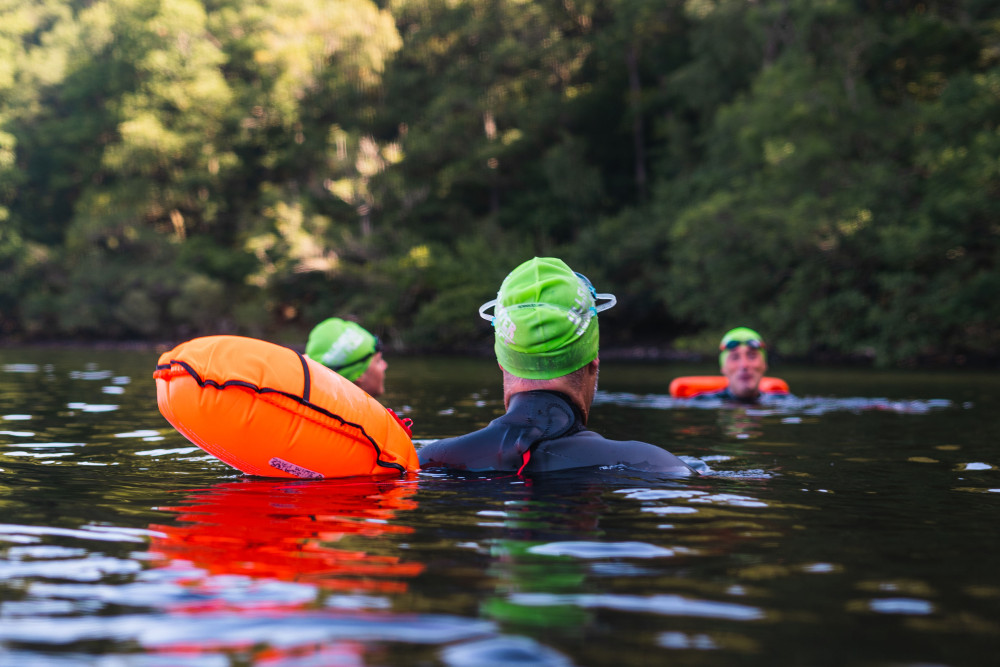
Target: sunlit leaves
{"points": [[138, 135], [826, 169]]}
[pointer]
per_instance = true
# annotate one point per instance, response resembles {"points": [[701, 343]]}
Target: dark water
{"points": [[856, 526]]}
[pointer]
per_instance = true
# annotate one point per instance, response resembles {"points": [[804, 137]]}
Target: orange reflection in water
{"points": [[329, 533]]}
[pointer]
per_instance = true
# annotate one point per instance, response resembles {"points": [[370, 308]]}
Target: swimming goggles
{"points": [[609, 301], [752, 343], [378, 348]]}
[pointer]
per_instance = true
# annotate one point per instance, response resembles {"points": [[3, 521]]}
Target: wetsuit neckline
{"points": [[546, 415], [573, 408], [727, 395]]}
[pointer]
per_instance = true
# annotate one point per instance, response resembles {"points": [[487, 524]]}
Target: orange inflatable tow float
{"points": [[269, 411], [693, 385]]}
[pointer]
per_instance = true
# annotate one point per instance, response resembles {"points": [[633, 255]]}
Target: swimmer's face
{"points": [[744, 367], [373, 379]]}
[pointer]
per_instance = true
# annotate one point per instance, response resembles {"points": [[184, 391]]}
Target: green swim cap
{"points": [[544, 322], [342, 346], [740, 336]]}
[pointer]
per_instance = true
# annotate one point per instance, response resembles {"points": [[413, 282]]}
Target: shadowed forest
{"points": [[825, 171]]}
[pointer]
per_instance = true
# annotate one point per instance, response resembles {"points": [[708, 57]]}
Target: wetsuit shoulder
{"points": [[472, 451], [590, 449]]}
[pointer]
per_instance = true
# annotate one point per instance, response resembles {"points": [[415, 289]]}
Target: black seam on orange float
{"points": [[298, 399], [306, 378]]}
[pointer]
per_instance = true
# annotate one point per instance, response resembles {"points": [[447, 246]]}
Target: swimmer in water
{"points": [[350, 350], [743, 360], [546, 343]]}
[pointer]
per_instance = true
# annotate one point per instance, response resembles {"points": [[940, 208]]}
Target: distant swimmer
{"points": [[350, 350], [743, 360], [546, 343]]}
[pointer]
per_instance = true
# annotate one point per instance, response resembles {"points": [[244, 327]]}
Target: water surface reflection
{"points": [[340, 535], [842, 531]]}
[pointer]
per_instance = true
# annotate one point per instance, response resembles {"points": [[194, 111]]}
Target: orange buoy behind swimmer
{"points": [[267, 410], [692, 385]]}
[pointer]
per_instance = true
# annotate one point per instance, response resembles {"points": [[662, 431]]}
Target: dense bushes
{"points": [[826, 172]]}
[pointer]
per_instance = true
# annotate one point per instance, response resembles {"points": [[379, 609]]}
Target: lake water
{"points": [[856, 526]]}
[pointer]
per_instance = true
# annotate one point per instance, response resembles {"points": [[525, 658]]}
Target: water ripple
{"points": [[812, 405], [92, 407], [692, 496], [670, 605], [102, 533], [680, 640], [90, 375], [91, 568], [602, 550], [142, 433], [220, 629], [238, 592], [20, 368], [905, 606], [502, 652]]}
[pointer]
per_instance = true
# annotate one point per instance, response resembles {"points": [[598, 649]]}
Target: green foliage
{"points": [[199, 302], [457, 282], [825, 172]]}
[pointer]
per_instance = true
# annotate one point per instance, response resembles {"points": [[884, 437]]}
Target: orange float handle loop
{"points": [[405, 422]]}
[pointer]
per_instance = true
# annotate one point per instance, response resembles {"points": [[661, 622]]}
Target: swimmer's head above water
{"points": [[545, 329], [347, 348], [743, 360]]}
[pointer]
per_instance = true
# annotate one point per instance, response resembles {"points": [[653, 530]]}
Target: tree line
{"points": [[825, 172]]}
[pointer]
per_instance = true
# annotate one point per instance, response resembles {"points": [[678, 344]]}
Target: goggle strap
{"points": [[354, 363], [486, 306], [610, 301]]}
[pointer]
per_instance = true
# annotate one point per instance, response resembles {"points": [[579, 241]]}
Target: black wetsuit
{"points": [[761, 397], [724, 395], [542, 431]]}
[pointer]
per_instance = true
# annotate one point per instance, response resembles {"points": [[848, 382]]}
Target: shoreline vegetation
{"points": [[621, 353], [825, 173]]}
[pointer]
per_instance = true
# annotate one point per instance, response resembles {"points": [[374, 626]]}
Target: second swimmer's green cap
{"points": [[740, 336], [342, 346], [544, 322]]}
